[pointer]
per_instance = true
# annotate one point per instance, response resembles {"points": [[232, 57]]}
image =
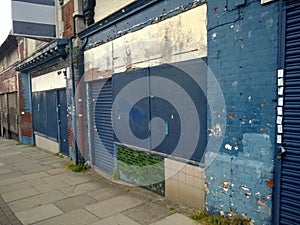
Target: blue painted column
{"points": [[242, 53]]}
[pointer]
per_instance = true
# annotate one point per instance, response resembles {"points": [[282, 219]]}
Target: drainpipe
{"points": [[78, 159]]}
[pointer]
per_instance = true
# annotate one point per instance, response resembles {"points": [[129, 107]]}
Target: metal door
{"points": [[102, 135], [13, 115], [287, 201], [63, 122]]}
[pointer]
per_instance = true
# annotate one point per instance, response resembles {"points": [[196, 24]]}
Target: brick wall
{"points": [[25, 109], [67, 14], [242, 53]]}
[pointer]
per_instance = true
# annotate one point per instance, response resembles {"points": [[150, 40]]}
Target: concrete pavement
{"points": [[36, 188]]}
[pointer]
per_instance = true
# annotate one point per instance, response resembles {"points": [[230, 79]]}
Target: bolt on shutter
{"points": [[102, 134], [290, 176]]}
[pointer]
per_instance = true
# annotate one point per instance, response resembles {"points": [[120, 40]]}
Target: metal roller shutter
{"points": [[290, 167], [12, 112], [102, 134]]}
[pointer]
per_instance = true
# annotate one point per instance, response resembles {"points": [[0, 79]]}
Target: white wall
{"points": [[178, 38], [49, 81], [105, 8]]}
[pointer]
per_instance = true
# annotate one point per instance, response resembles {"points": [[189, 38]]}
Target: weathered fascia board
{"points": [[179, 38], [49, 81], [133, 17]]}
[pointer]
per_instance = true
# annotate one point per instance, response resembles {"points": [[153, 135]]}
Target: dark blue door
{"points": [[63, 122]]}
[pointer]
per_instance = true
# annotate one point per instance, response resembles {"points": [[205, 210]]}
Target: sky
{"points": [[5, 19]]}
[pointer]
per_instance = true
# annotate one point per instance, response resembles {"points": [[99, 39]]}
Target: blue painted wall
{"points": [[242, 54]]}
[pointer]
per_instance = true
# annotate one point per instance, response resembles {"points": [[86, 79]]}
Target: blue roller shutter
{"points": [[290, 166], [102, 135]]}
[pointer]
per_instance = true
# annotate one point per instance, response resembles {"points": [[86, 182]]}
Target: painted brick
{"points": [[242, 53], [25, 110]]}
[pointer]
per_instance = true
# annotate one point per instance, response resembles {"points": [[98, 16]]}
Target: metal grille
{"points": [[102, 134], [12, 112], [290, 176]]}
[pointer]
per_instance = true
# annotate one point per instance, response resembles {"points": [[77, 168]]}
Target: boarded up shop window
{"points": [[44, 113]]}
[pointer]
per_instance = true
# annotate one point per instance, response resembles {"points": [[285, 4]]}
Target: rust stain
{"points": [[262, 105], [270, 183], [207, 183], [216, 9], [231, 116], [261, 202], [262, 129], [95, 74]]}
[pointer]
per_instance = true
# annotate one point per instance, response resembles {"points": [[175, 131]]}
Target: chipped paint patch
{"points": [[214, 36], [261, 202], [231, 116], [216, 131], [235, 83], [245, 188], [270, 183], [228, 147], [248, 195]]}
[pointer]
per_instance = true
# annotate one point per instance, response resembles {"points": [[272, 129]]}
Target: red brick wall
{"points": [[67, 14], [21, 50], [25, 117]]}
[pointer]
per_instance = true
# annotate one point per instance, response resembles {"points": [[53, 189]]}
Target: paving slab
{"points": [[77, 180], [19, 194], [118, 219], [105, 193], [76, 217], [35, 201], [7, 154], [36, 182], [34, 176], [114, 205], [10, 175], [44, 188], [80, 189], [14, 187], [148, 213], [76, 202], [7, 217], [37, 214], [31, 168], [176, 219], [56, 171], [5, 170], [58, 177], [11, 180]]}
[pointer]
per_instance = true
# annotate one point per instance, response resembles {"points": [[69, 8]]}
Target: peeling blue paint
{"points": [[243, 57]]}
